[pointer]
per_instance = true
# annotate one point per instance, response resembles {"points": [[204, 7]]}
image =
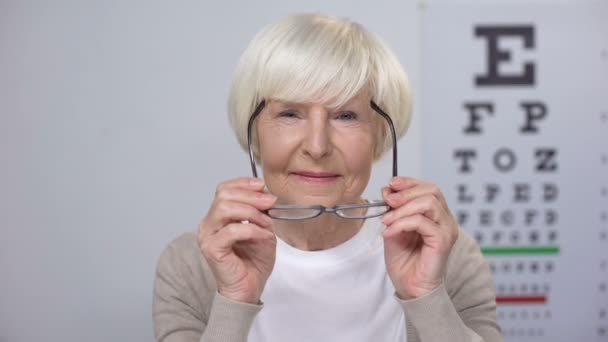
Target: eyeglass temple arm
{"points": [[257, 111], [393, 134]]}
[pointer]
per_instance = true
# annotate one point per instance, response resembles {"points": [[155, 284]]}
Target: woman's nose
{"points": [[317, 142]]}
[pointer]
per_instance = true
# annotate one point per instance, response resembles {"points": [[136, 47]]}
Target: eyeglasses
{"points": [[304, 212]]}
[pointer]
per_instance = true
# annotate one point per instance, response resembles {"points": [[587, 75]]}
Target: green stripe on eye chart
{"points": [[546, 250]]}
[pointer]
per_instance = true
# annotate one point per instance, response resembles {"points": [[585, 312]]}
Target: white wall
{"points": [[113, 137]]}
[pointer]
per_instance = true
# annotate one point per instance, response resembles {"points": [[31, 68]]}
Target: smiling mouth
{"points": [[316, 177]]}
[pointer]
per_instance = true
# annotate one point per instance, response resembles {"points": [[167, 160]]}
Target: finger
{"points": [[397, 199], [427, 205], [399, 183], [416, 223], [226, 212], [433, 237], [229, 235], [247, 183], [385, 191], [257, 199]]}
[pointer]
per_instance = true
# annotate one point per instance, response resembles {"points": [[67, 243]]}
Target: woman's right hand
{"points": [[237, 240]]}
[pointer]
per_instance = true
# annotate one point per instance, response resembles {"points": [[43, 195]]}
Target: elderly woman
{"points": [[300, 255]]}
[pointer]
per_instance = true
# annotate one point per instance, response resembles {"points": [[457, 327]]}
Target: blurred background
{"points": [[114, 135]]}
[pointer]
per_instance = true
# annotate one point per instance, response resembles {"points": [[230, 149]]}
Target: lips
{"points": [[316, 174], [316, 177]]}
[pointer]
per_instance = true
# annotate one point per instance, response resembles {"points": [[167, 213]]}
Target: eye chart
{"points": [[514, 118]]}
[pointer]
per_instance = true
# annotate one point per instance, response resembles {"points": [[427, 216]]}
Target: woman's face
{"points": [[312, 155]]}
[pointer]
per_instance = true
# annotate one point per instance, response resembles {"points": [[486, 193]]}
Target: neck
{"points": [[323, 232]]}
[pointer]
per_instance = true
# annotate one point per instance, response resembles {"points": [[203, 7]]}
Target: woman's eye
{"points": [[347, 116], [288, 114]]}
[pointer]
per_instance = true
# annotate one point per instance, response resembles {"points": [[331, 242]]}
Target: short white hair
{"points": [[313, 58]]}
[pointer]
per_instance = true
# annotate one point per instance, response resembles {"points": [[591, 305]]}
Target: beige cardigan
{"points": [[188, 308]]}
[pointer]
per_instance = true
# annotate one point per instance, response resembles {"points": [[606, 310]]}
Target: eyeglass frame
{"points": [[322, 209]]}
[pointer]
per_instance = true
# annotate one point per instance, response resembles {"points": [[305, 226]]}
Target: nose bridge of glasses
{"points": [[329, 209]]}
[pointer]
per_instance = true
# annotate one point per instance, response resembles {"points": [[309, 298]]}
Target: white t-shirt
{"points": [[339, 294]]}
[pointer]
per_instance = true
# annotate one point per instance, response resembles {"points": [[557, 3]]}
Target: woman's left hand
{"points": [[419, 236]]}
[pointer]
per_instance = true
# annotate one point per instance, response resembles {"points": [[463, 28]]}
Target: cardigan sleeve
{"points": [[188, 308], [463, 308]]}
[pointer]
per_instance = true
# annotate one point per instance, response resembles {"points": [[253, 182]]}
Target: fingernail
{"points": [[263, 197], [256, 182], [387, 217], [386, 232], [396, 181], [267, 220], [393, 197]]}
